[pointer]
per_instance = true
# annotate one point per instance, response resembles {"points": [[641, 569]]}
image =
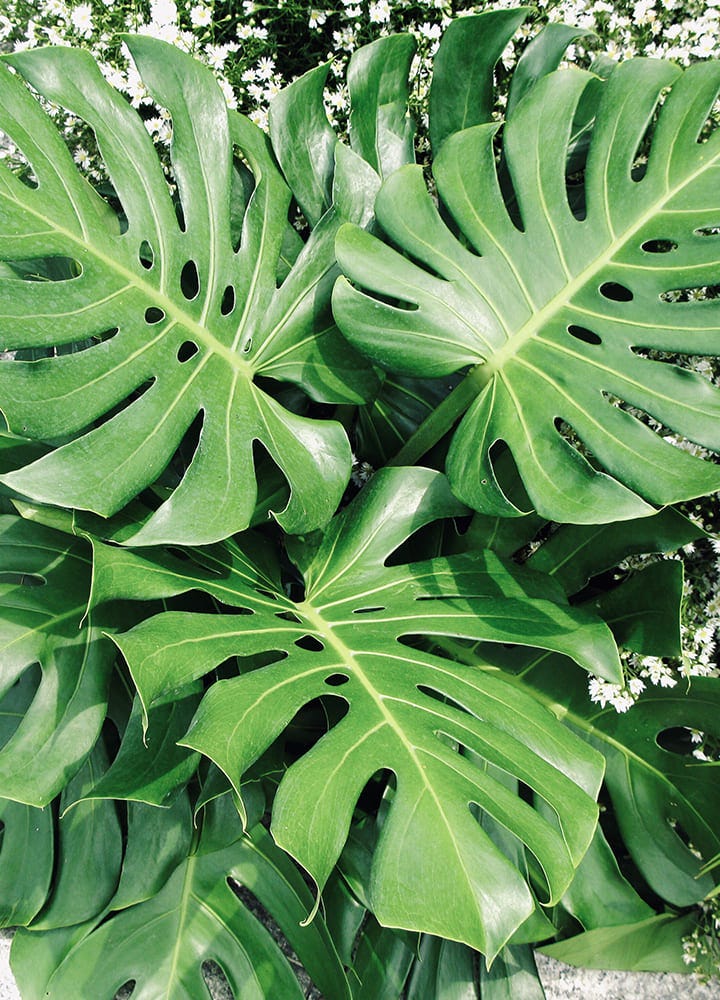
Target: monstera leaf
{"points": [[551, 313], [174, 310], [52, 714], [195, 917], [409, 711]]}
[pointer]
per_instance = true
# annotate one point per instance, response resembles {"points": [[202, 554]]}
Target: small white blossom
{"points": [[163, 12], [379, 12], [81, 20], [200, 16]]}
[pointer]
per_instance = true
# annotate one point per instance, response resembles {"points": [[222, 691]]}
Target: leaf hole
{"points": [[43, 269], [367, 611], [337, 680], [186, 351], [231, 609], [146, 255], [288, 616], [695, 293], [190, 280], [707, 231], [251, 903], [126, 990], [154, 315], [216, 981], [676, 740], [582, 333], [228, 301], [180, 216], [443, 699], [659, 246], [615, 292], [311, 643]]}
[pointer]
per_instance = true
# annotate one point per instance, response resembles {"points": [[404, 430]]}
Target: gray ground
{"points": [[561, 982]]}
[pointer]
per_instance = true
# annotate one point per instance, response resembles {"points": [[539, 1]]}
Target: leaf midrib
{"points": [[168, 305], [563, 297], [346, 655]]}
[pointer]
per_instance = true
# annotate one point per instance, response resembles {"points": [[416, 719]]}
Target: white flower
{"points": [[163, 12], [5, 27], [260, 117], [379, 12], [200, 16], [229, 93], [81, 20], [82, 158], [265, 68], [215, 55]]}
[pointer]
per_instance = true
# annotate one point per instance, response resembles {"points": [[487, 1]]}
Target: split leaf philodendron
{"points": [[265, 708]]}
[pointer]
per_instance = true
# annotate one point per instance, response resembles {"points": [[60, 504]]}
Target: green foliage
{"points": [[372, 730]]}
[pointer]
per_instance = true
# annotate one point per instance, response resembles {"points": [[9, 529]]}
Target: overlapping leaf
{"points": [[409, 711], [553, 311], [56, 664], [177, 317], [195, 917]]}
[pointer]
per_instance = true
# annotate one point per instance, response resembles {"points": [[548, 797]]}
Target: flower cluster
{"points": [[701, 948]]}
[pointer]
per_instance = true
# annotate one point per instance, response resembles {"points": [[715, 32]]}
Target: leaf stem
{"points": [[441, 420]]}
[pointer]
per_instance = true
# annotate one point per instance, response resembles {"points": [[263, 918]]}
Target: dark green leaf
{"points": [[26, 861]]}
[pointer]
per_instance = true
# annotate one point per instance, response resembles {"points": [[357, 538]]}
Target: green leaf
{"points": [[541, 56], [182, 323], [341, 641], [26, 861], [644, 611], [381, 129], [443, 970], [162, 835], [512, 976], [554, 318], [150, 767], [197, 917], [398, 409], [46, 736], [599, 896], [89, 852], [462, 91], [575, 553], [652, 945], [661, 799]]}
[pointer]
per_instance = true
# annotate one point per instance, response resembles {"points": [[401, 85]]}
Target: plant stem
{"points": [[441, 420]]}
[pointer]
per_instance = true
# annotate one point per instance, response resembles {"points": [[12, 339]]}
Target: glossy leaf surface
{"points": [[178, 317], [553, 313], [57, 710], [341, 641], [197, 917]]}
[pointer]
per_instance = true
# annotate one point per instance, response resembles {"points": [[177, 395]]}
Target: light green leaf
{"points": [[342, 641], [652, 945], [44, 597], [553, 316], [462, 91], [178, 321]]}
